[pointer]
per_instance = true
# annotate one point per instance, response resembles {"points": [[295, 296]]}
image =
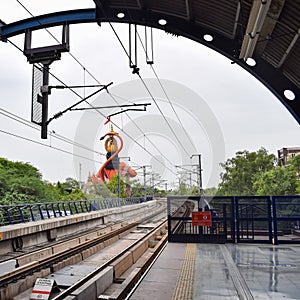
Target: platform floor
{"points": [[217, 271]]}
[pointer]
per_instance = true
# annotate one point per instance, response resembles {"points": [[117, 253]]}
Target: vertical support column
{"points": [[233, 220], [200, 175], [45, 93], [270, 221], [145, 191], [237, 220], [274, 222], [152, 185], [169, 218], [119, 182], [225, 221]]}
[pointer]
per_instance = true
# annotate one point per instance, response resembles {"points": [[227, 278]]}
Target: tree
{"points": [[279, 181], [20, 183], [241, 171], [137, 189], [113, 186], [210, 191], [183, 189], [69, 190]]}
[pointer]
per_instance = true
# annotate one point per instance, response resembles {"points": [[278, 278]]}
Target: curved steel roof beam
{"points": [[273, 78], [48, 20]]}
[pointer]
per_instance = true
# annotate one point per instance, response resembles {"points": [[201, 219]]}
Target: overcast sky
{"points": [[214, 108]]}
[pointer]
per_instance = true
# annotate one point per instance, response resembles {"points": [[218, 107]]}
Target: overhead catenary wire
{"points": [[92, 105], [85, 70], [77, 60], [146, 137], [45, 145], [74, 92], [158, 79], [165, 93], [53, 134], [149, 92]]}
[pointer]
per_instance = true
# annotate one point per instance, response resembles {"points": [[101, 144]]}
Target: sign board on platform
{"points": [[43, 288], [201, 218]]}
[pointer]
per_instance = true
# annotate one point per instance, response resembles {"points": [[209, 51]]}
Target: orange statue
{"points": [[111, 165]]}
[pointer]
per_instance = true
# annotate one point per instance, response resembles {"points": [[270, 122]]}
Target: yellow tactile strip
{"points": [[185, 282]]}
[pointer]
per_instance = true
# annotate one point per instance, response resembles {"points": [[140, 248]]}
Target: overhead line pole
{"points": [[200, 172]]}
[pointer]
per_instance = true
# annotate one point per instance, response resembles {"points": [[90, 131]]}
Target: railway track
{"points": [[182, 211], [126, 266], [36, 265], [122, 285]]}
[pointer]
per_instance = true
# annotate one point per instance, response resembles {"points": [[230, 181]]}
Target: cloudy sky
{"points": [[201, 105]]}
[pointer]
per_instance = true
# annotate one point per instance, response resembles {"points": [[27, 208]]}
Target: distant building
{"points": [[285, 154]]}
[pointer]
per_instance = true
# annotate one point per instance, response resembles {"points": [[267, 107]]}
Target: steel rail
{"points": [[78, 284], [38, 265], [57, 257]]}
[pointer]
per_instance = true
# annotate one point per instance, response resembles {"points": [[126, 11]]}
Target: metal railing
{"points": [[22, 213], [243, 219]]}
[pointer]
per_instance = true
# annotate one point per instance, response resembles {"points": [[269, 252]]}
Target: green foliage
{"points": [[160, 193], [210, 191], [295, 164], [183, 189], [279, 181], [137, 189], [19, 169], [76, 194], [103, 190], [242, 171], [113, 186], [68, 190], [22, 183]]}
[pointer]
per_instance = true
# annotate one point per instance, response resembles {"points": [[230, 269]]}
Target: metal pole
{"points": [[119, 179], [145, 193], [200, 172], [153, 185], [45, 94], [79, 175]]}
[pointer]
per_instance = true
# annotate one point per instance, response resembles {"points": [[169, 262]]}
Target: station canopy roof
{"points": [[260, 35]]}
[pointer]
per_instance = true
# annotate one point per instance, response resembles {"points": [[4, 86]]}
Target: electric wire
{"points": [[165, 93], [45, 145], [59, 42], [23, 121], [85, 70], [53, 134], [160, 83], [92, 105], [73, 91], [60, 137], [99, 83], [146, 137], [149, 92]]}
